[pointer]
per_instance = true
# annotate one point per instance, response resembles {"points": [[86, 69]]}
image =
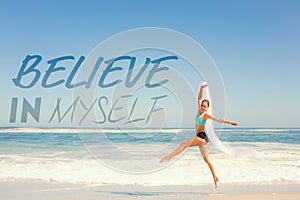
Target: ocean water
{"points": [[93, 156]]}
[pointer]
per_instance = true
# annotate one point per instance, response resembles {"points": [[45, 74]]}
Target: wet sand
{"points": [[36, 190]]}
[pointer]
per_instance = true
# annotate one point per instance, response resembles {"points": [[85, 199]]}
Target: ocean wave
{"points": [[76, 131], [186, 169], [154, 130], [257, 130]]}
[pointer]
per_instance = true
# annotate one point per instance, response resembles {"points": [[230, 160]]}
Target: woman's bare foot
{"points": [[216, 180], [165, 159]]}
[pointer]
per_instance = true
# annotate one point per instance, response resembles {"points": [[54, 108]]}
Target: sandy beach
{"points": [[36, 189]]}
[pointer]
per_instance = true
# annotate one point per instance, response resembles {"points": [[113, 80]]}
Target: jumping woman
{"points": [[201, 140]]}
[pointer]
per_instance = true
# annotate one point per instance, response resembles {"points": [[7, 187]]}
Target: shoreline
{"points": [[37, 189]]}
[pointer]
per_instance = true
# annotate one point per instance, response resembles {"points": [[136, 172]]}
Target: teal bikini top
{"points": [[199, 119]]}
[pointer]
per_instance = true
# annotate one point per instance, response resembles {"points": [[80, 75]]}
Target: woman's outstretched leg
{"points": [[203, 150], [177, 151], [196, 141]]}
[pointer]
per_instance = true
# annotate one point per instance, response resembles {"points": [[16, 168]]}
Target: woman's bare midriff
{"points": [[199, 128]]}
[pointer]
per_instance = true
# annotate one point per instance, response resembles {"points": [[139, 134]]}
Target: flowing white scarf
{"points": [[209, 129]]}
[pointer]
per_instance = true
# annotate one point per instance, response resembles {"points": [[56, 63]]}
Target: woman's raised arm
{"points": [[203, 85]]}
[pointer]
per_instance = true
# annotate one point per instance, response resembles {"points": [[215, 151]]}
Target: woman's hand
{"points": [[203, 85], [234, 123]]}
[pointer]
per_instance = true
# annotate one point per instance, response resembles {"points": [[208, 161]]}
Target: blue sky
{"points": [[255, 45]]}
